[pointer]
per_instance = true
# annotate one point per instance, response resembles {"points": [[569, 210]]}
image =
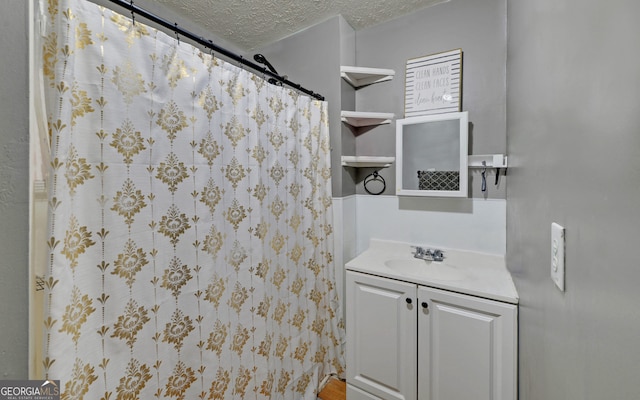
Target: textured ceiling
{"points": [[250, 24]]}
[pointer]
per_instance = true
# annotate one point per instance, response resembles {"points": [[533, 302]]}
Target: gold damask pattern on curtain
{"points": [[191, 243]]}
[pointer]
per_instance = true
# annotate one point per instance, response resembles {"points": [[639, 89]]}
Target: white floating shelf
{"points": [[359, 118], [487, 161], [367, 161], [363, 76]]}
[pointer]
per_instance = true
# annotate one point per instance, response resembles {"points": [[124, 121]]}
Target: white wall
{"points": [[344, 227], [468, 224]]}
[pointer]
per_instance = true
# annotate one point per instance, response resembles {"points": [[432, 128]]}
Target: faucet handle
{"points": [[428, 254]]}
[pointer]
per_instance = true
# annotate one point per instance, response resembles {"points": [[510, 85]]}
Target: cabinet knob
{"points": [[409, 301], [424, 304]]}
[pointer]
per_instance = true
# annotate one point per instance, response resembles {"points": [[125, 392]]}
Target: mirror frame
{"points": [[463, 120]]}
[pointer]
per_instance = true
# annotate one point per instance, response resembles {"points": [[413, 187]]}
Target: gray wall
{"points": [[479, 29], [574, 146], [14, 192]]}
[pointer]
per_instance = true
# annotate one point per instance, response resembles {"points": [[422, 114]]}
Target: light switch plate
{"points": [[557, 255]]}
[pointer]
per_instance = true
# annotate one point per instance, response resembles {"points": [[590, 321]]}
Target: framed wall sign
{"points": [[433, 84]]}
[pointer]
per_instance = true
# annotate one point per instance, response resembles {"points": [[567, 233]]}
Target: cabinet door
{"points": [[466, 347], [381, 336]]}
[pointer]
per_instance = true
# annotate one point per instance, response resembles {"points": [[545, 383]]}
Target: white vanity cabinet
{"points": [[409, 341]]}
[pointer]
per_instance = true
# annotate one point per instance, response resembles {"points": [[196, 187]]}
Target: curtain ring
{"points": [[176, 32], [133, 16], [375, 176]]}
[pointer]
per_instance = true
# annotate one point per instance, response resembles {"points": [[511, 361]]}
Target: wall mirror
{"points": [[432, 155]]}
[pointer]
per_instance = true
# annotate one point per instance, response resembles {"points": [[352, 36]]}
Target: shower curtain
{"points": [[191, 243]]}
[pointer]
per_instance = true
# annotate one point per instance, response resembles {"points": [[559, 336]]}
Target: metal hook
{"points": [[484, 177], [497, 176], [133, 16], [176, 32]]}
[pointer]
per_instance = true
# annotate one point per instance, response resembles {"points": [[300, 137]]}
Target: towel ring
{"points": [[375, 176]]}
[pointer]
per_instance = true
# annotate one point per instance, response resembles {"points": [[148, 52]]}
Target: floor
{"points": [[335, 389]]}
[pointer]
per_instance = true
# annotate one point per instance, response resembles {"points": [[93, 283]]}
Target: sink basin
{"points": [[424, 269]]}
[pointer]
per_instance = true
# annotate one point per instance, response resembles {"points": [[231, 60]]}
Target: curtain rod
{"points": [[209, 44]]}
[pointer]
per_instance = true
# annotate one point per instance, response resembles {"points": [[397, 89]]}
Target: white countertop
{"points": [[477, 274]]}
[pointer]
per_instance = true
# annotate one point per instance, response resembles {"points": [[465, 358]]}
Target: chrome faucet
{"points": [[428, 254]]}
